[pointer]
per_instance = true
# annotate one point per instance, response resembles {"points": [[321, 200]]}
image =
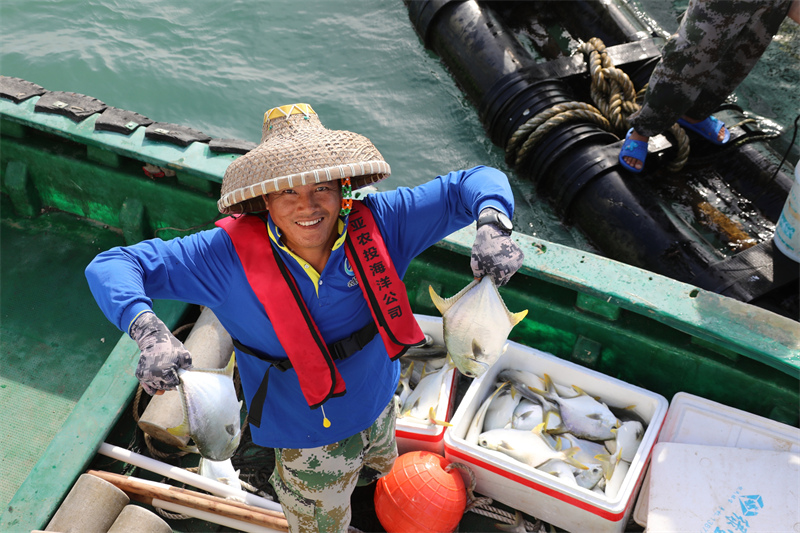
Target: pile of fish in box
{"points": [[422, 376], [558, 429], [554, 439], [425, 396]]}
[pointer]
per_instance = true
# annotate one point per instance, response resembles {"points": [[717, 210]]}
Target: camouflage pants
{"points": [[717, 44], [314, 484]]}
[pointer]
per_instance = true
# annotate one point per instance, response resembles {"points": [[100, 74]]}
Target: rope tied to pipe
{"points": [[614, 98]]}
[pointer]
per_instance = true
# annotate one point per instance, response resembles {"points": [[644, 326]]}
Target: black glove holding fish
{"points": [[162, 354], [494, 253]]}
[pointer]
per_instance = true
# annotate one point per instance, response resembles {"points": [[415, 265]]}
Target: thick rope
{"points": [[615, 100], [504, 516], [483, 505], [529, 134], [169, 515]]}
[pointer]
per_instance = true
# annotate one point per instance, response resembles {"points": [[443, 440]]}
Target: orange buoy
{"points": [[419, 496]]}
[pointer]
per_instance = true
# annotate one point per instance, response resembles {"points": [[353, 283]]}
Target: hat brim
{"points": [[296, 149], [248, 199]]}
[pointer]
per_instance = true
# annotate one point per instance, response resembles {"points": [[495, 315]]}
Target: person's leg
{"points": [[690, 56], [741, 56], [381, 451], [314, 485]]}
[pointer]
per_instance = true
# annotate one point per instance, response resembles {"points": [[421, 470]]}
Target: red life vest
{"points": [[277, 291]]}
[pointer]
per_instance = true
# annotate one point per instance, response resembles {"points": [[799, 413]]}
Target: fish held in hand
{"points": [[476, 325], [211, 411]]}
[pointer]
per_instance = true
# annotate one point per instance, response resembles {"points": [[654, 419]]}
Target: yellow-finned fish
{"points": [[421, 404], [211, 412], [582, 415], [476, 325], [476, 426], [528, 447]]}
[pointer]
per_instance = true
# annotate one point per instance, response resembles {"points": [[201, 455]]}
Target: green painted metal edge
{"points": [[751, 331], [196, 159], [78, 440]]}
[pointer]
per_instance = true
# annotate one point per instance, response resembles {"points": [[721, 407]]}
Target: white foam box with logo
{"points": [[716, 488], [695, 420], [533, 491], [412, 435]]}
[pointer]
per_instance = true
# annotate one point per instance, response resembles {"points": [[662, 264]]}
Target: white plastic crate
{"points": [[412, 435], [695, 420], [716, 488], [533, 491]]}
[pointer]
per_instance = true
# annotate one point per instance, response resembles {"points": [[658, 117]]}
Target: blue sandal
{"points": [[634, 149], [708, 129]]}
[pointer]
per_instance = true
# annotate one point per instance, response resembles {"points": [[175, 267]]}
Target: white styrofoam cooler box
{"points": [[695, 420], [417, 436], [535, 492], [716, 488]]}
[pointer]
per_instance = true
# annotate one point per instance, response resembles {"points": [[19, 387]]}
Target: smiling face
{"points": [[307, 216]]}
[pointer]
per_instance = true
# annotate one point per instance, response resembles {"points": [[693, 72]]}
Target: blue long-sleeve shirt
{"points": [[204, 269]]}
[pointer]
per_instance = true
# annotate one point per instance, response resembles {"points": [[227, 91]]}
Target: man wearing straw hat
{"points": [[309, 285]]}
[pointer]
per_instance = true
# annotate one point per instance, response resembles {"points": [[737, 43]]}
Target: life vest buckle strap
{"points": [[339, 350], [344, 348], [281, 364]]}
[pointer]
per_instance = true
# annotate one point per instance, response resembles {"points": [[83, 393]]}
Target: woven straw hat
{"points": [[296, 149]]}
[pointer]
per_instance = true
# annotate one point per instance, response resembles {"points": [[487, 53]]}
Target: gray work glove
{"points": [[162, 354], [495, 254]]}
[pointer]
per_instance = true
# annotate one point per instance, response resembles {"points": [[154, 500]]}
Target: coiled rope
{"points": [[615, 100], [483, 506]]}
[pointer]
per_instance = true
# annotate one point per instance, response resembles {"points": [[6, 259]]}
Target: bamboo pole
{"points": [[180, 474], [149, 491], [208, 517]]}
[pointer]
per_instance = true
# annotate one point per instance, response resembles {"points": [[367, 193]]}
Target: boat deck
{"points": [[54, 338]]}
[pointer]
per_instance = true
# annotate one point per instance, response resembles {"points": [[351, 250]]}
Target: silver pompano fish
{"points": [[627, 438], [476, 325], [529, 447], [424, 399], [221, 471], [211, 412], [582, 415], [476, 426]]}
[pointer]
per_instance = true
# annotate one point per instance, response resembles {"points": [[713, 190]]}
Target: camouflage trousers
{"points": [[314, 485], [717, 44]]}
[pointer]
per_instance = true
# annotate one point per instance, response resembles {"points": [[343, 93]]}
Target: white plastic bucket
{"points": [[787, 231]]}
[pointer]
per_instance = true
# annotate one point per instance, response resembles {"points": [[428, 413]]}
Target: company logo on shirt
{"points": [[349, 271]]}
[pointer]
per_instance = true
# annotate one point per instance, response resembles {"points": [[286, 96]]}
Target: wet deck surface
{"points": [[53, 337]]}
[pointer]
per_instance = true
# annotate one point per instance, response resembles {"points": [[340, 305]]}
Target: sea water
{"points": [[217, 66]]}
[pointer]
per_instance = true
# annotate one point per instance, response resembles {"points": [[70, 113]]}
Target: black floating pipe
{"points": [[613, 22], [577, 163]]}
